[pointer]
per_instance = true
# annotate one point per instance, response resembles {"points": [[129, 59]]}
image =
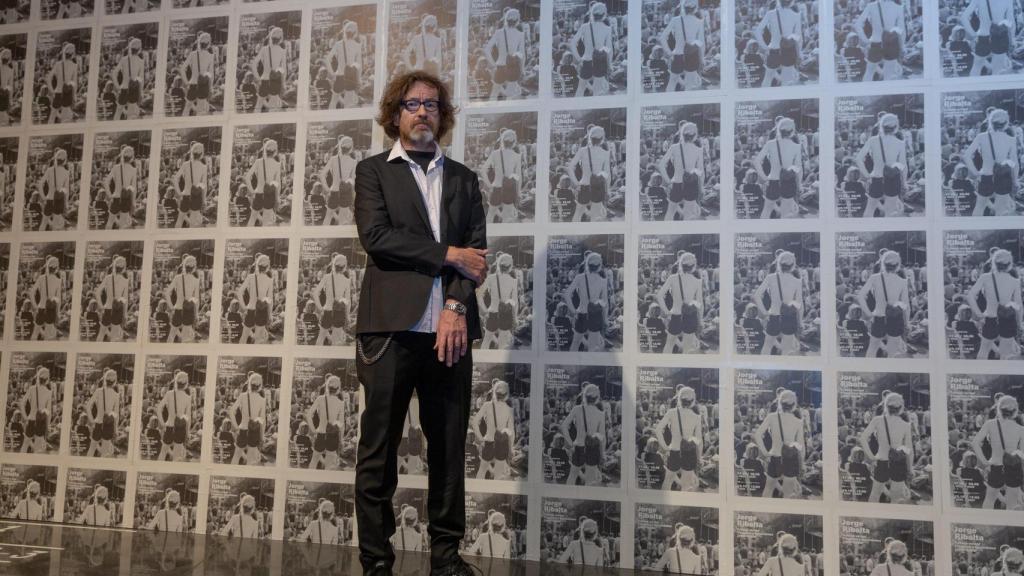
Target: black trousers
{"points": [[410, 363]]}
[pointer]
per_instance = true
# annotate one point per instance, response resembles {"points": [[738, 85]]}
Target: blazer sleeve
{"points": [[458, 286], [390, 247]]}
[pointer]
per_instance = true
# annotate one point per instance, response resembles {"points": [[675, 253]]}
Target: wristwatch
{"points": [[457, 307]]}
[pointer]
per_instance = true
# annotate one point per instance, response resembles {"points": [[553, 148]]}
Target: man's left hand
{"points": [[452, 337]]}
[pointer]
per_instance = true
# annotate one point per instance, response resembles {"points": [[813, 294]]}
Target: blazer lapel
{"points": [[448, 185], [408, 182]]}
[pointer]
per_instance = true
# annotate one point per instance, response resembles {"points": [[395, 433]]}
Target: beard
{"points": [[420, 134]]}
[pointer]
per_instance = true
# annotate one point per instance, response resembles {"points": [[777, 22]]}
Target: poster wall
{"points": [[754, 293]]}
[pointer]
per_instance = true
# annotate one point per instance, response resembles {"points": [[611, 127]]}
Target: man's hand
{"points": [[470, 262], [452, 339]]}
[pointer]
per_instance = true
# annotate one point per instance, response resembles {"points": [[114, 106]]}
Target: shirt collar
{"points": [[398, 151]]}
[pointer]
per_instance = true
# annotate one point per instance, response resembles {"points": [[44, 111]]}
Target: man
{"points": [[54, 187], [326, 416], [505, 163], [270, 66], [682, 556], [337, 177], [503, 291], [256, 293], [888, 168], [30, 506], [590, 441], [169, 518], [36, 406], [47, 296], [197, 71], [98, 512], [183, 294], [249, 413], [243, 523], [121, 183], [493, 541], [597, 40], [266, 178], [63, 81], [191, 182], [421, 222], [494, 424], [895, 454], [894, 561], [175, 413], [335, 290], [103, 410], [323, 528], [113, 293], [129, 74], [586, 548], [425, 49]]}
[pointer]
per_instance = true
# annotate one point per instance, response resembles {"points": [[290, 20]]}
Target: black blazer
{"points": [[404, 258]]}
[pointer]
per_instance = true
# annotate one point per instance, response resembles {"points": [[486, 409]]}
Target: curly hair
{"points": [[394, 92]]}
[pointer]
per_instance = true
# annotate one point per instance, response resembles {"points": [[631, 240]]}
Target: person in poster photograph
{"points": [[777, 434], [994, 549], [504, 56], [580, 532], [677, 294], [680, 162], [28, 492], [588, 165], [582, 425], [8, 180], [589, 48], [882, 294], [985, 440], [778, 544], [13, 51], [343, 57], [681, 45], [45, 287], [189, 183], [95, 498], [410, 511], [676, 539], [980, 37], [64, 9], [5, 280], [682, 402], [267, 70], [879, 159], [422, 36], [196, 66], [330, 273], [505, 299], [119, 181], [172, 408], [885, 449], [495, 525], [53, 181], [497, 447], [879, 40], [262, 163], [584, 293], [35, 399], [111, 289], [180, 291], [501, 149], [776, 167], [246, 410], [240, 507], [324, 414], [777, 42], [982, 293], [61, 76], [777, 294], [880, 547], [332, 151], [15, 12], [102, 405], [166, 502], [981, 152], [127, 76]]}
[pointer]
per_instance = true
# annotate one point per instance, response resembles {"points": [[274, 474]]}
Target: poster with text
{"points": [[181, 291], [319, 513], [127, 75], [28, 492], [260, 177], [676, 539], [171, 425], [111, 291], [422, 36], [587, 179], [681, 45], [504, 50], [61, 75], [872, 546], [45, 287], [343, 57], [680, 162], [333, 149], [189, 181], [324, 420], [777, 44], [246, 410], [196, 66], [166, 502], [35, 402], [53, 181], [331, 273], [240, 507], [764, 541], [502, 149], [580, 532], [505, 299], [254, 288], [101, 405], [498, 445], [495, 525], [267, 69], [95, 498], [880, 40], [584, 304], [589, 48]]}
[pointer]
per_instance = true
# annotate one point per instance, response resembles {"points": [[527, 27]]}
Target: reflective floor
{"points": [[51, 550]]}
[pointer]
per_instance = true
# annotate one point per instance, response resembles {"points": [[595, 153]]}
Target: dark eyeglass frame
{"points": [[413, 104]]}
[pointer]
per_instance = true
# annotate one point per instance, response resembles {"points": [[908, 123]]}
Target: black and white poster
{"points": [[986, 438], [495, 525], [65, 9], [246, 405], [678, 294], [778, 434], [681, 45], [13, 65], [5, 281], [777, 43], [982, 294], [111, 291], [588, 165], [677, 423], [584, 306], [240, 507], [343, 57], [502, 149], [980, 38], [680, 162], [262, 165], [776, 544], [53, 182], [333, 149], [45, 286], [589, 48], [324, 420], [189, 182], [330, 275], [35, 402], [581, 532], [16, 12], [101, 405], [319, 513], [498, 446], [267, 70], [166, 502], [987, 548], [505, 299], [881, 294], [676, 539], [582, 425], [28, 492], [171, 426], [9, 148], [409, 506], [885, 431], [879, 40], [883, 546], [181, 291], [421, 35], [119, 180], [776, 165], [196, 66], [504, 50], [981, 152], [880, 156], [777, 294], [253, 298], [95, 497], [127, 74], [122, 7], [61, 75]]}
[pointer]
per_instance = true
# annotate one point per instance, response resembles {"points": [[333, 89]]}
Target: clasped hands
{"points": [[452, 338]]}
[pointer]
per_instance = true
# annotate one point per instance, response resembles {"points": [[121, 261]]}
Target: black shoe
{"points": [[381, 568], [457, 567]]}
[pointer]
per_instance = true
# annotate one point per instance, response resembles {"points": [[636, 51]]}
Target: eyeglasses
{"points": [[413, 105]]}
